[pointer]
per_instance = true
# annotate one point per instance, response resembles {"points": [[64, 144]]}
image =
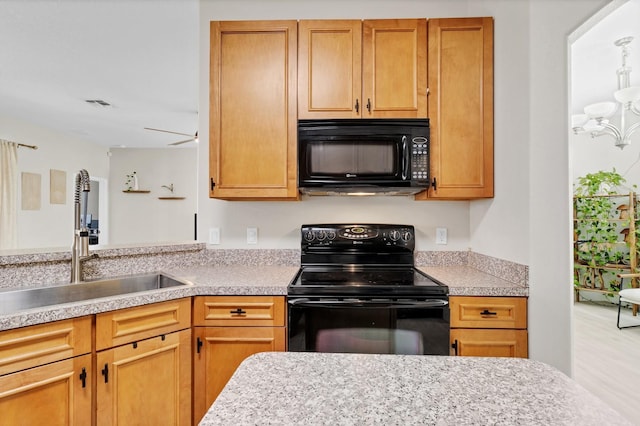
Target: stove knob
{"points": [[331, 235], [308, 236], [321, 235], [394, 235], [406, 236]]}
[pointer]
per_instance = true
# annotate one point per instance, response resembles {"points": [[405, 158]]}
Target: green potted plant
{"points": [[599, 240]]}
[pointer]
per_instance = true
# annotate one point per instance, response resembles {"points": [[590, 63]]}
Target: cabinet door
{"points": [[394, 64], [53, 394], [461, 108], [219, 351], [329, 69], [146, 382], [253, 128], [494, 343]]}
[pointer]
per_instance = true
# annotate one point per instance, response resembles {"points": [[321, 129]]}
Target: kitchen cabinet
{"points": [[489, 326], [460, 101], [227, 330], [362, 69], [252, 122], [47, 366], [144, 364]]}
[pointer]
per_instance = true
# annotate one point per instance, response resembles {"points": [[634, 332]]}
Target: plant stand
{"points": [[605, 253]]}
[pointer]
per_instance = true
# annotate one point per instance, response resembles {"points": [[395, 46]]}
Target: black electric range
{"points": [[358, 291], [361, 259]]}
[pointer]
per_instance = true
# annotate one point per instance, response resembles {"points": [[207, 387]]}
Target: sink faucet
{"points": [[80, 248]]}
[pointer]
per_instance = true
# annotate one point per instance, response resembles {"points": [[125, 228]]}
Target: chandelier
{"points": [[595, 119]]}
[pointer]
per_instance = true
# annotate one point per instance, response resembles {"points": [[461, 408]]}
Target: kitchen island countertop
{"points": [[352, 389]]}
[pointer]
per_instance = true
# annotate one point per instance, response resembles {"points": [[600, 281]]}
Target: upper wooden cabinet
{"points": [[252, 123], [367, 69], [461, 108]]}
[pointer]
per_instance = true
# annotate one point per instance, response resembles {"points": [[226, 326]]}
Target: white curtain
{"points": [[8, 194]]}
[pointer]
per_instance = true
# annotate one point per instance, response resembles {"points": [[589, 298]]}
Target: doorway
{"points": [[97, 220]]}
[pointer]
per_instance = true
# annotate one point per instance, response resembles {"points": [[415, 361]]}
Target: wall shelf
{"points": [[137, 191], [171, 198]]}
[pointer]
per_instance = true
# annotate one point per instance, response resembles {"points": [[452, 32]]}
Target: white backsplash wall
{"points": [[52, 225], [279, 223], [137, 218]]}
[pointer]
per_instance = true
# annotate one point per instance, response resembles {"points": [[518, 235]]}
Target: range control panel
{"points": [[353, 236]]}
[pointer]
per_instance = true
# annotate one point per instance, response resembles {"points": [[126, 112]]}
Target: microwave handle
{"points": [[406, 153]]}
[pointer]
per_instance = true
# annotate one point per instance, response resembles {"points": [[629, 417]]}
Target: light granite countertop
{"points": [[468, 281], [245, 280], [292, 388]]}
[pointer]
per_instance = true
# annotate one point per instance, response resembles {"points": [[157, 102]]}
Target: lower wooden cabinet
{"points": [[146, 382], [244, 325], [52, 394], [489, 326]]}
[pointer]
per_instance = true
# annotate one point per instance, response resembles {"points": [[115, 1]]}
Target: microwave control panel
{"points": [[420, 160]]}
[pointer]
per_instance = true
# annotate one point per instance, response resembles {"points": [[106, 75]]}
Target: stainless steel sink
{"points": [[18, 300]]}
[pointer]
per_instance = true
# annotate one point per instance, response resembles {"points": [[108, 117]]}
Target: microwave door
{"points": [[370, 159]]}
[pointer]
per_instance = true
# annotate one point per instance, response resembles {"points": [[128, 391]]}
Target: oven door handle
{"points": [[430, 303]]}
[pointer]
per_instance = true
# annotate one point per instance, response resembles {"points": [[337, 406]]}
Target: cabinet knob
{"points": [[238, 311], [357, 106], [368, 104], [488, 312]]}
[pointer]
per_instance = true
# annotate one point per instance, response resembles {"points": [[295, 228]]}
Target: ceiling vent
{"points": [[98, 103]]}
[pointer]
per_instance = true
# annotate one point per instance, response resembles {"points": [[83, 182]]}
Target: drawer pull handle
{"points": [[238, 311], [105, 373], [487, 312], [83, 377], [198, 345], [454, 346]]}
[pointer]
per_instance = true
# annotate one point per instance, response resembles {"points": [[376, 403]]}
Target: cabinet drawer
{"points": [[239, 311], [141, 322], [41, 344], [488, 312]]}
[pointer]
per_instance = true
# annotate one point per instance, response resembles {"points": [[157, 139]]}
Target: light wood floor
{"points": [[607, 360]]}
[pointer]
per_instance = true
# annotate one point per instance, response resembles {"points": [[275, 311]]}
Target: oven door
{"points": [[380, 326]]}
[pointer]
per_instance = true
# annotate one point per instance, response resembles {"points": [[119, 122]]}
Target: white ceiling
{"points": [[140, 56]]}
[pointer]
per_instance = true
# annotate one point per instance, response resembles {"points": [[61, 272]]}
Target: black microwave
{"points": [[363, 156]]}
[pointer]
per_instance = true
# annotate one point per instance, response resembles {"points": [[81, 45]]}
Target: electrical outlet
{"points": [[252, 235], [214, 235], [441, 235]]}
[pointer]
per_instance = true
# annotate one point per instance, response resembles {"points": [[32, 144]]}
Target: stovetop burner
{"points": [[361, 260], [370, 281]]}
